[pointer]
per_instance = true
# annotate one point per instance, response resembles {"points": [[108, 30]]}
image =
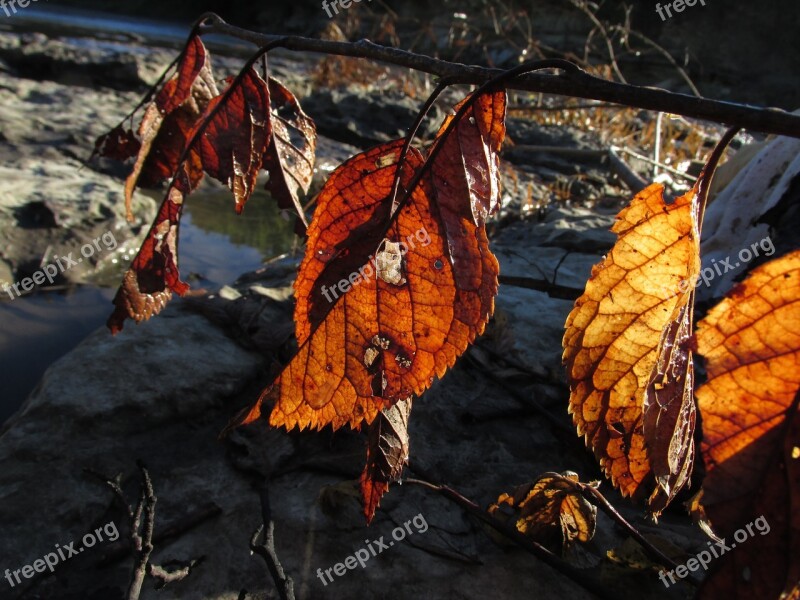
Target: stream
{"points": [[216, 246]]}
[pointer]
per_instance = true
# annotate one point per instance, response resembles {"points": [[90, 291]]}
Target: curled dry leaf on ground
{"points": [[190, 129], [751, 431], [552, 510]]}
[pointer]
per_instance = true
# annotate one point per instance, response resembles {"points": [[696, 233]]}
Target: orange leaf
{"points": [[751, 429], [387, 301], [633, 299], [551, 510]]}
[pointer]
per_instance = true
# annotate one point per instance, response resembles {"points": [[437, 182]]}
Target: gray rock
{"points": [[161, 393]]}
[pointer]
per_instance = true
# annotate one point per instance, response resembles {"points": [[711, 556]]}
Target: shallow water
{"points": [[216, 246]]}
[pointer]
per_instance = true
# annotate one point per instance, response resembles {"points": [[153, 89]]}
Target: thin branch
{"points": [[143, 541], [584, 7], [628, 176], [120, 550], [574, 83], [165, 576], [661, 50], [266, 549]]}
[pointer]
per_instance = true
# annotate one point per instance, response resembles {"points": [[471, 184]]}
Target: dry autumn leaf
{"points": [[153, 276], [291, 152], [628, 345], [387, 454], [386, 301], [166, 125], [751, 431], [551, 510]]}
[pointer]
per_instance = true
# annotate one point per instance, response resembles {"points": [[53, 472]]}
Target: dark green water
{"points": [[215, 247]]}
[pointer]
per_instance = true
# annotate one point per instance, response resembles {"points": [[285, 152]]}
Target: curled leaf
{"points": [[634, 309], [387, 454], [551, 510], [153, 276], [166, 124], [291, 152]]}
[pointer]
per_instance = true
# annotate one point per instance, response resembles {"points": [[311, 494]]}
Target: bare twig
{"points": [[649, 160], [629, 177], [122, 549], [628, 31], [142, 538], [266, 549], [166, 577], [574, 83], [144, 518], [584, 7]]}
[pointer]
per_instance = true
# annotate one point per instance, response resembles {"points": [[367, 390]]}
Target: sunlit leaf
{"points": [[751, 431]]}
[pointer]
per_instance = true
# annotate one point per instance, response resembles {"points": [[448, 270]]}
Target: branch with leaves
{"points": [[399, 231]]}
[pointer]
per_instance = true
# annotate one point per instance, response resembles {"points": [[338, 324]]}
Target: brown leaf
{"points": [[153, 276], [168, 118], [386, 302], [235, 135], [751, 430], [291, 152], [551, 510], [387, 454], [119, 144], [669, 411]]}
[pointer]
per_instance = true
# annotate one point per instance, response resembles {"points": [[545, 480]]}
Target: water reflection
{"points": [[216, 246]]}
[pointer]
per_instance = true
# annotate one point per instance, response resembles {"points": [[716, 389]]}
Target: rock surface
{"points": [[161, 393]]}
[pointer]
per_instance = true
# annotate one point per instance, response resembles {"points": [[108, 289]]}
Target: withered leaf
{"points": [[751, 431], [291, 152], [235, 135], [153, 275], [635, 308], [387, 454], [223, 144], [387, 301], [551, 510], [166, 124]]}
